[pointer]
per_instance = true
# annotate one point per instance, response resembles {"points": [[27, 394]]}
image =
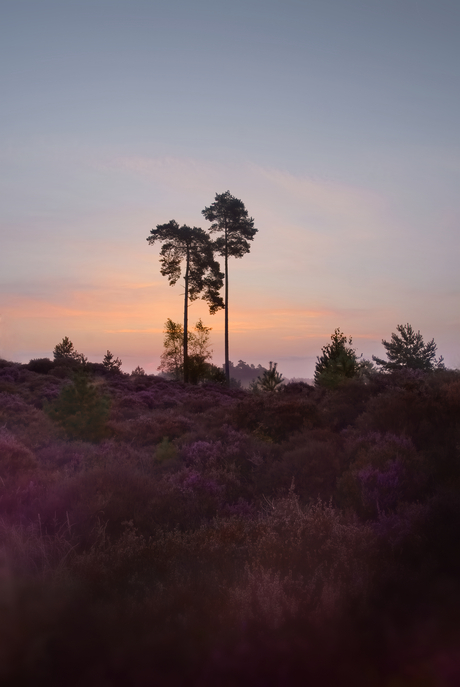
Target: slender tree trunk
{"points": [[227, 364], [186, 318]]}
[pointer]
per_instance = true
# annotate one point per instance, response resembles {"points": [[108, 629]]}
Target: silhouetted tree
{"points": [[111, 363], [202, 275], [409, 350], [228, 215], [337, 362], [270, 380], [200, 352], [66, 352], [172, 358]]}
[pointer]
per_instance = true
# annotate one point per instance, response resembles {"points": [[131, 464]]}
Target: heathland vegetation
{"points": [[179, 529], [158, 532]]}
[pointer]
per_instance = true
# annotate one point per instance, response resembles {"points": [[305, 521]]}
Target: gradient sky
{"points": [[335, 121]]}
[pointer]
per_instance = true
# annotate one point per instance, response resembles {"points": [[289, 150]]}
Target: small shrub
{"points": [[165, 451], [203, 453], [41, 365], [112, 364], [81, 410], [269, 381], [127, 406], [275, 416], [30, 425], [329, 554], [7, 385], [150, 428], [13, 371], [341, 406], [313, 460], [385, 470], [15, 458], [296, 388], [62, 371]]}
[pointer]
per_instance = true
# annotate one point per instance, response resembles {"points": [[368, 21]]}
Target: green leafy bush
{"points": [[81, 410], [165, 451]]}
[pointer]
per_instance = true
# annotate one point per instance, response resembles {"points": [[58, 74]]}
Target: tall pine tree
{"points": [[202, 276], [229, 216]]}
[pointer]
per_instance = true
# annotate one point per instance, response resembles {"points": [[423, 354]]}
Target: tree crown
{"points": [[409, 350], [172, 358], [111, 363], [270, 380], [65, 351], [337, 362], [193, 245], [228, 214]]}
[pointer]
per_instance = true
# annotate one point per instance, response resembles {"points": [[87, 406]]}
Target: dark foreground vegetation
{"points": [[156, 533]]}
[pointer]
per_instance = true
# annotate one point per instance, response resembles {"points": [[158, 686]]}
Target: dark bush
{"points": [[98, 369], [275, 416], [15, 458], [341, 407], [81, 410], [41, 365], [385, 470], [311, 462], [150, 429], [295, 388], [62, 371]]}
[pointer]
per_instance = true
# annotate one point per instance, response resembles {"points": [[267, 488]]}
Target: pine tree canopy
{"points": [[193, 246], [228, 214], [337, 362], [409, 350]]}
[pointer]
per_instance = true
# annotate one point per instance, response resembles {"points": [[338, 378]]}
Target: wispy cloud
{"points": [[150, 330], [185, 174], [269, 187], [319, 198]]}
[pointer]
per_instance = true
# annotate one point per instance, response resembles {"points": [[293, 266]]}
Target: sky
{"points": [[334, 121]]}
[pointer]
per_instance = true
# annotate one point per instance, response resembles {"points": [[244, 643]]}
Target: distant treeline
{"points": [[245, 373]]}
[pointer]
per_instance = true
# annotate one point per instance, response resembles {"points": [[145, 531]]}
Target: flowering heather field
{"points": [[154, 533]]}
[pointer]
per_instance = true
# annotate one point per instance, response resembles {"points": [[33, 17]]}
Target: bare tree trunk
{"points": [[227, 364], [186, 318]]}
